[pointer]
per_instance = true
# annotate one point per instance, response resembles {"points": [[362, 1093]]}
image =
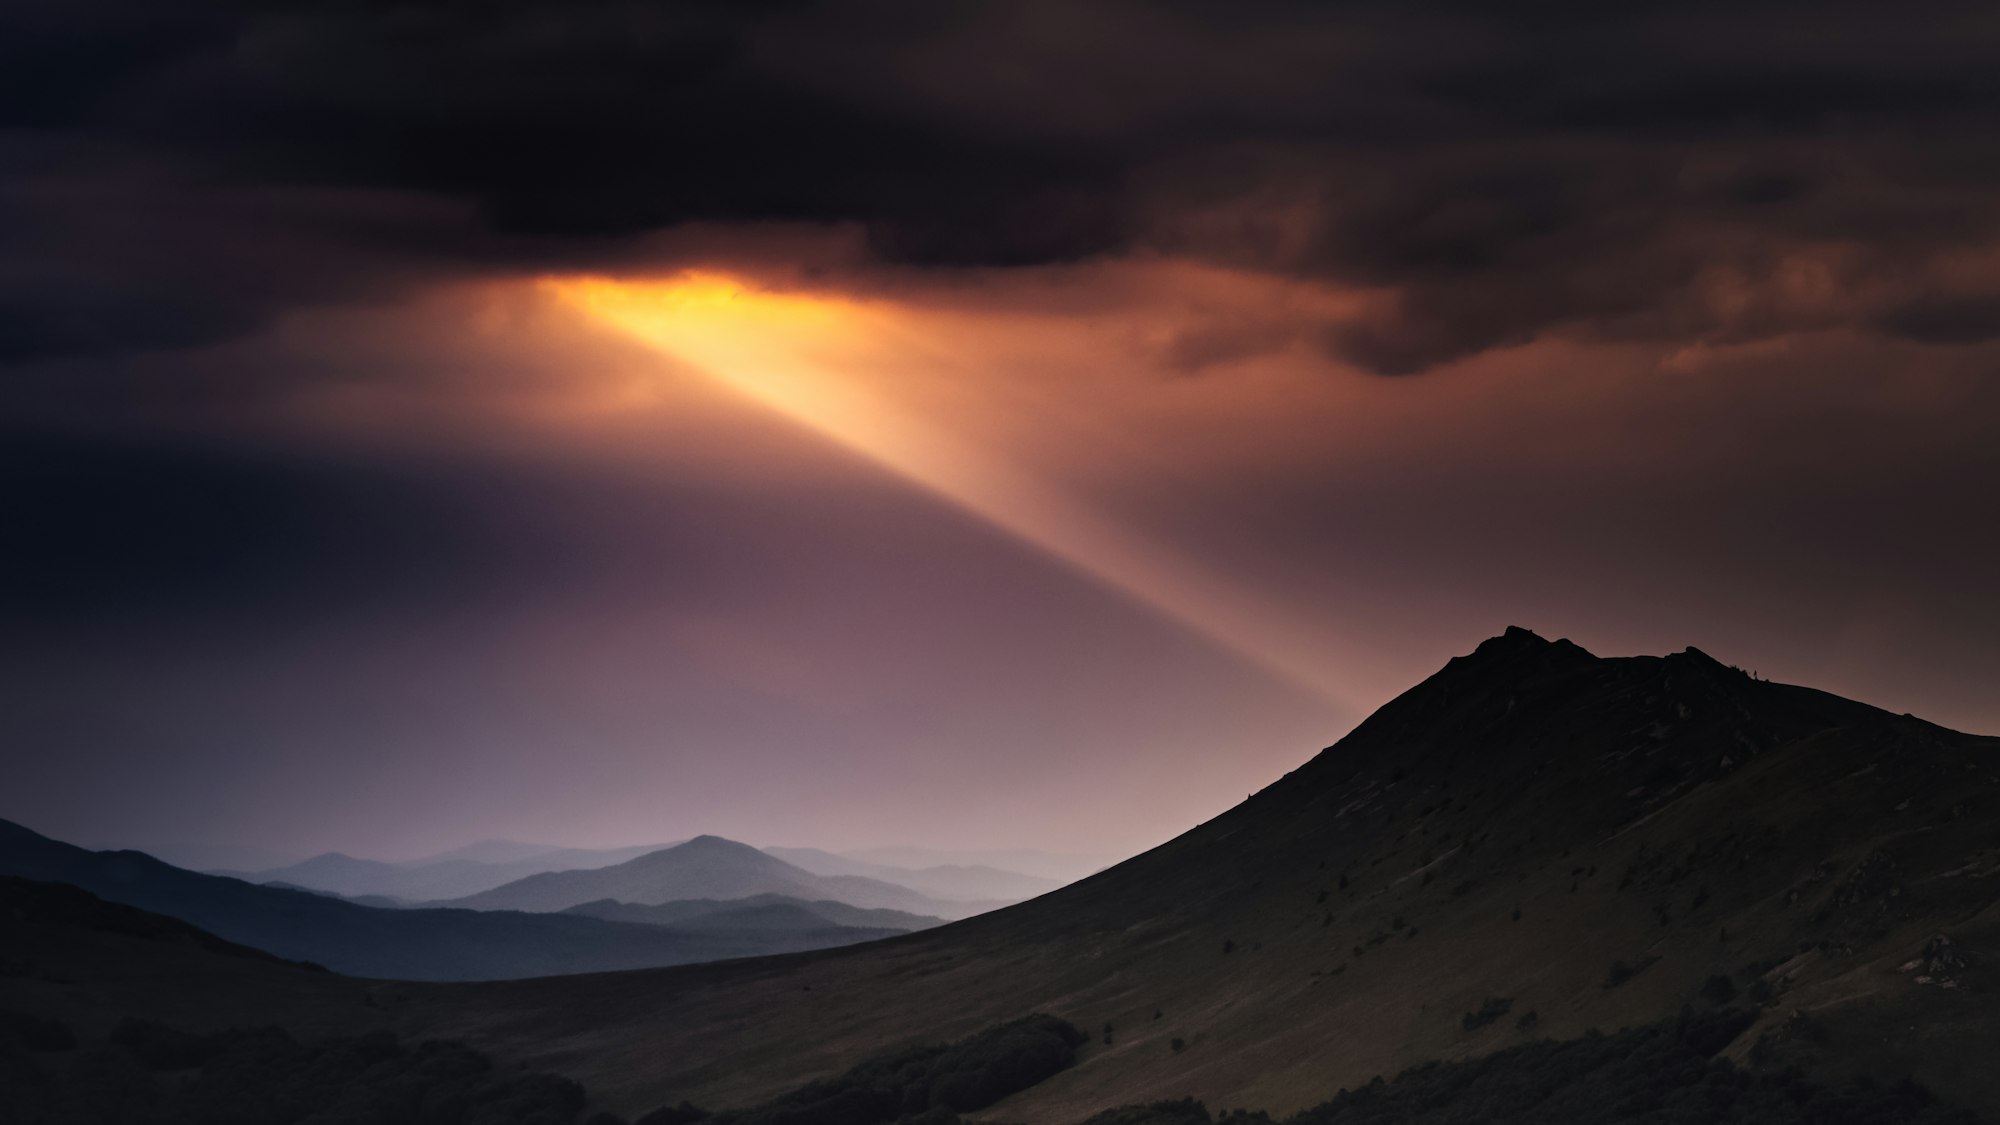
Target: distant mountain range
{"points": [[466, 871], [942, 881], [476, 868], [756, 912], [1061, 867], [707, 867], [416, 944]]}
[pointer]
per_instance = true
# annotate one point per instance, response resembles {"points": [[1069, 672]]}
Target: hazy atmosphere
{"points": [[999, 562], [1020, 426]]}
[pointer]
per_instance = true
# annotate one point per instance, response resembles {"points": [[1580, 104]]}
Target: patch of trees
{"points": [[29, 1032], [149, 1074], [917, 1086], [1620, 972], [1662, 1074], [1491, 1010], [1186, 1111]]}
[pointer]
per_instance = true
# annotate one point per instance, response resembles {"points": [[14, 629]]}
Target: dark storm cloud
{"points": [[195, 538], [1946, 320], [1501, 172], [115, 530]]}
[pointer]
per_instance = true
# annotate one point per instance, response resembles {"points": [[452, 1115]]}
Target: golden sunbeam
{"points": [[820, 362]]}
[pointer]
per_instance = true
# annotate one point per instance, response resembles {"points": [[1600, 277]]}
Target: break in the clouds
{"points": [[176, 173], [949, 423]]}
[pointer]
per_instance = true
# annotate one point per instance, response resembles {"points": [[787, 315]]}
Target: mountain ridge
{"points": [[450, 875], [705, 867], [718, 912], [1533, 842], [369, 941], [1591, 841], [949, 882]]}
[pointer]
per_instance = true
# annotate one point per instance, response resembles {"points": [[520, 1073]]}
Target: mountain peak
{"points": [[1517, 642], [1514, 639], [1515, 652], [1693, 655], [710, 848]]}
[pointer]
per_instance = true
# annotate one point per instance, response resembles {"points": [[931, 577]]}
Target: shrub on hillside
{"points": [[1186, 1111], [1620, 972], [35, 1033], [1492, 1009], [686, 1113]]}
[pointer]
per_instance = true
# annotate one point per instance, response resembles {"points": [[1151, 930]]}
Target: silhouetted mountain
{"points": [[225, 859], [950, 882], [1532, 842], [705, 867], [383, 901], [452, 875], [415, 944], [757, 911], [73, 956]]}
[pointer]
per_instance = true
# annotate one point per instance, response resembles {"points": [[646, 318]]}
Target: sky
{"points": [[970, 425]]}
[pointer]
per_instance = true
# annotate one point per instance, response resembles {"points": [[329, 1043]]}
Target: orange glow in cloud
{"points": [[831, 364]]}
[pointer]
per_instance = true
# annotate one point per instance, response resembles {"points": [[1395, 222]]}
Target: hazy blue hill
{"points": [[332, 871], [706, 867], [758, 910], [1063, 867], [951, 881], [365, 900], [214, 858], [416, 944], [490, 851], [456, 874]]}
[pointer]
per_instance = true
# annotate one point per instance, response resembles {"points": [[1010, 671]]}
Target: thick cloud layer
{"points": [[175, 172]]}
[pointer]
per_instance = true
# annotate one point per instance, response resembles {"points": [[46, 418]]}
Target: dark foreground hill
{"points": [[400, 944], [71, 956], [1533, 842], [74, 1053], [706, 867]]}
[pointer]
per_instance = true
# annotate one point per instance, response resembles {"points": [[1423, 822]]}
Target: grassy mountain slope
{"points": [[77, 1052], [705, 867], [389, 943], [1532, 831]]}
